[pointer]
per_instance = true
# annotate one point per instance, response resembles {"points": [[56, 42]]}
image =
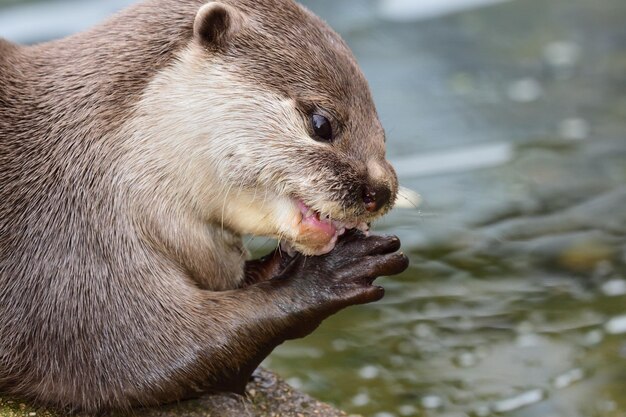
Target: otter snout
{"points": [[375, 197], [379, 192]]}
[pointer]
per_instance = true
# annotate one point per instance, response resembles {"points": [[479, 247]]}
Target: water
{"points": [[509, 120]]}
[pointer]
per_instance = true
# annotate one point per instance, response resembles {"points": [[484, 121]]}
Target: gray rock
{"points": [[266, 396]]}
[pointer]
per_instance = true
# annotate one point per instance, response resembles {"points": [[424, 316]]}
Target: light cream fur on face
{"points": [[205, 131]]}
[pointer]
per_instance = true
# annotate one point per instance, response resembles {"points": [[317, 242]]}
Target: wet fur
{"points": [[116, 290]]}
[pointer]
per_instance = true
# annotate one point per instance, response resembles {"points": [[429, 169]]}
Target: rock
{"points": [[266, 396]]}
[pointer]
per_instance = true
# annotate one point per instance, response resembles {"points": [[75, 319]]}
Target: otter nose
{"points": [[376, 198]]}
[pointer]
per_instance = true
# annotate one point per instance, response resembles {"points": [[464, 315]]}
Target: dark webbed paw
{"points": [[265, 268], [344, 277]]}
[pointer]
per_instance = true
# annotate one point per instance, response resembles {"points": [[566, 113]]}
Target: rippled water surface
{"points": [[509, 119]]}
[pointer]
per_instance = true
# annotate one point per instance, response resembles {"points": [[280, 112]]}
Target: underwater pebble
{"points": [[562, 54], [339, 345], [384, 414], [423, 330], [568, 378], [295, 383], [574, 129], [614, 288], [431, 402], [528, 340], [617, 325], [466, 360], [525, 90], [361, 399], [593, 337], [407, 410], [522, 400], [369, 372]]}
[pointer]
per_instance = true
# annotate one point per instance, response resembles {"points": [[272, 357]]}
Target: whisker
{"points": [[409, 200], [224, 205]]}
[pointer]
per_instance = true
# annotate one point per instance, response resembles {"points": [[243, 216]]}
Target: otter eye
{"points": [[322, 128]]}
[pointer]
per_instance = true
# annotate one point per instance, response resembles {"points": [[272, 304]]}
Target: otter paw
{"points": [[359, 260], [345, 276]]}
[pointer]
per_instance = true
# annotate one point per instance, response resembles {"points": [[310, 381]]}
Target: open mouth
{"points": [[320, 232]]}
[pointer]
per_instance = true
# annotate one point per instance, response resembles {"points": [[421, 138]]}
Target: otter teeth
{"points": [[334, 228]]}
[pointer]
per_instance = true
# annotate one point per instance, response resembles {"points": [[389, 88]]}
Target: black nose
{"points": [[376, 198]]}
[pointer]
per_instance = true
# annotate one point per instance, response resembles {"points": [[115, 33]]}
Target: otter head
{"points": [[272, 126]]}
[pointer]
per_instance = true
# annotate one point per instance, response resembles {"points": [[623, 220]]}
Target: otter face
{"points": [[269, 124]]}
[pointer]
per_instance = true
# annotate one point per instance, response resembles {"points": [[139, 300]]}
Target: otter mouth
{"points": [[318, 234]]}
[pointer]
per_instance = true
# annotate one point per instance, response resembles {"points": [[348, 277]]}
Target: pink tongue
{"points": [[326, 228], [313, 222]]}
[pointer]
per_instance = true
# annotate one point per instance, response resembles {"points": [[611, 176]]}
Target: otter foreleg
{"points": [[306, 291], [195, 341]]}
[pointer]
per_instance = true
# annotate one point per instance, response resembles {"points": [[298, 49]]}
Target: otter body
{"points": [[134, 156]]}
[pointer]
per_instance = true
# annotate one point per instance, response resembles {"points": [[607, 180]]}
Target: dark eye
{"points": [[322, 128]]}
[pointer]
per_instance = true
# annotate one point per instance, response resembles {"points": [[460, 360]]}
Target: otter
{"points": [[135, 156]]}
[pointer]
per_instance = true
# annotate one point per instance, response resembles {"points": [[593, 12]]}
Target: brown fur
{"points": [[97, 309]]}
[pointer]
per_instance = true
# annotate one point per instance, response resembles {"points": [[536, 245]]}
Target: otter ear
{"points": [[216, 23]]}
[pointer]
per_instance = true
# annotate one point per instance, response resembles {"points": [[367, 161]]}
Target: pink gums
{"points": [[312, 223], [313, 220]]}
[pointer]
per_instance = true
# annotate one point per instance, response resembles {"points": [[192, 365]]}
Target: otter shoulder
{"points": [[6, 49]]}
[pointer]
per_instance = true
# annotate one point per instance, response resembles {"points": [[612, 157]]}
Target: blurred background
{"points": [[509, 119]]}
